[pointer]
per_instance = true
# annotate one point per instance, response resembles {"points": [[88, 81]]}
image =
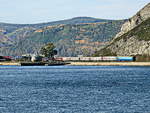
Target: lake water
{"points": [[74, 89]]}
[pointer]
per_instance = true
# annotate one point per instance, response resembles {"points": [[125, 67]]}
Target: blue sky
{"points": [[37, 11]]}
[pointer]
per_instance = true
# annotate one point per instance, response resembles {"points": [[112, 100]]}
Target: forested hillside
{"points": [[78, 36]]}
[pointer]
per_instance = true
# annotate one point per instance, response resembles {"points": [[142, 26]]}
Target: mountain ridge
{"points": [[76, 35], [75, 20]]}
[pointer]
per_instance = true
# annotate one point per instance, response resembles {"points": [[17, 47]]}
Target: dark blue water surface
{"points": [[74, 89]]}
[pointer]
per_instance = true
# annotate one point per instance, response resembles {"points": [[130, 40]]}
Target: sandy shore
{"points": [[110, 63], [93, 63], [10, 63]]}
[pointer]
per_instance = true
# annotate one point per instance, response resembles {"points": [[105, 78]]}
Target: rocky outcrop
{"points": [[136, 20], [135, 42], [134, 38], [130, 47]]}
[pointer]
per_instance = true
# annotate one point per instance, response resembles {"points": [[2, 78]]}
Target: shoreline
{"points": [[89, 64], [9, 64], [31, 64], [109, 63]]}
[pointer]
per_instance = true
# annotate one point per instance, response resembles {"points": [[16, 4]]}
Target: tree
{"points": [[48, 50]]}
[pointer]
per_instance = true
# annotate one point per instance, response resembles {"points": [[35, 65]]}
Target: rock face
{"points": [[131, 47], [134, 38], [136, 20]]}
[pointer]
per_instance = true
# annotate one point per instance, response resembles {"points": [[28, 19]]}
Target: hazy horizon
{"points": [[41, 11]]}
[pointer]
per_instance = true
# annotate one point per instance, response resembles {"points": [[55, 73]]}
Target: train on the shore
{"points": [[102, 58], [66, 59]]}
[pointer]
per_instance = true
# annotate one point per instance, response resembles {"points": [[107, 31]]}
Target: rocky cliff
{"points": [[134, 38], [136, 20]]}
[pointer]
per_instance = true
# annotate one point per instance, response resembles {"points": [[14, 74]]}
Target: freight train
{"points": [[103, 58]]}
